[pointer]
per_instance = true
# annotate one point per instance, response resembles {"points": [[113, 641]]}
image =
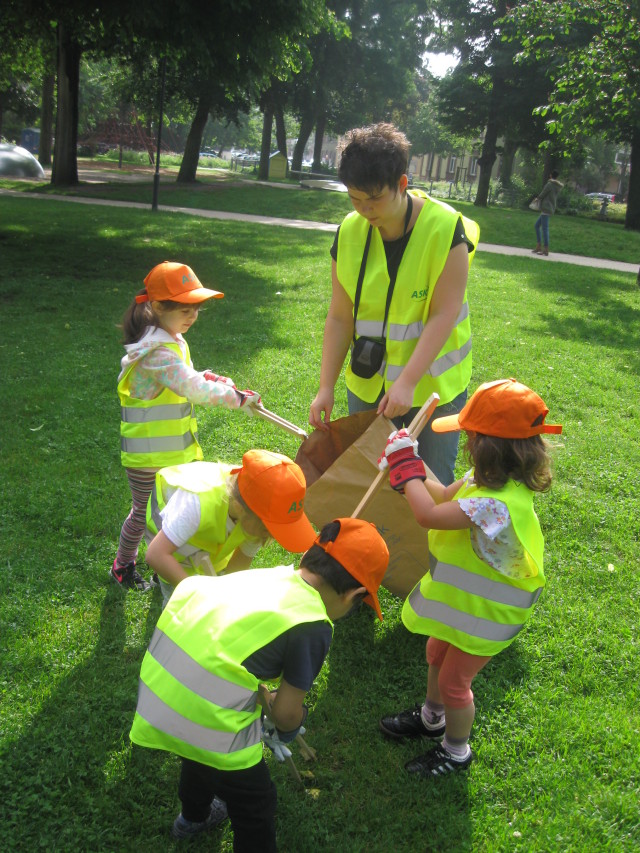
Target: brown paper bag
{"points": [[339, 467]]}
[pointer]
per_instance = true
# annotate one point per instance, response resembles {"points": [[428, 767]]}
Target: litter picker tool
{"points": [[415, 428], [308, 753], [281, 422]]}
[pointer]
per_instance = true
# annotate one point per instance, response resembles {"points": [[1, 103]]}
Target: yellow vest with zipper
{"points": [[195, 697], [464, 601], [207, 480], [420, 268], [159, 432]]}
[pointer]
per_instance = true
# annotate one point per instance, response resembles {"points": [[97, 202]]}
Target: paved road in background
{"points": [[303, 224]]}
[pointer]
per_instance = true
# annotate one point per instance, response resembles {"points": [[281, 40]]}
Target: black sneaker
{"points": [[438, 762], [183, 828], [129, 577], [155, 580], [409, 724]]}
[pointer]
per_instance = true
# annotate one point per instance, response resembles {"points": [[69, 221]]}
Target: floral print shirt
{"points": [[493, 538], [157, 368]]}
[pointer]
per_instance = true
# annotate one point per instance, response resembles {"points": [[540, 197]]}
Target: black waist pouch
{"points": [[367, 356]]}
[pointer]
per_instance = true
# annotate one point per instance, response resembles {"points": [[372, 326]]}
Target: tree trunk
{"points": [[189, 164], [632, 219], [65, 160], [306, 126], [281, 131], [46, 120], [321, 123], [508, 156], [265, 146], [488, 155], [486, 161]]}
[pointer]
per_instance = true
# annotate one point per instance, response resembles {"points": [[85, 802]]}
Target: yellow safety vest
{"points": [[207, 480], [195, 697], [464, 601], [159, 432], [422, 263]]}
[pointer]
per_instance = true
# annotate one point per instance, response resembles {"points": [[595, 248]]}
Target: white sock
{"points": [[458, 750], [432, 714]]}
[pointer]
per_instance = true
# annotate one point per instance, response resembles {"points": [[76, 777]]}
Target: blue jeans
{"points": [[439, 450], [542, 229]]}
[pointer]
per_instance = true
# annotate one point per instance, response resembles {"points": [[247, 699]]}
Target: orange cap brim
{"points": [[450, 423], [295, 537], [374, 604], [199, 294]]}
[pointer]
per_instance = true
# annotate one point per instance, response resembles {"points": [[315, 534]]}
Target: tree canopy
{"points": [[596, 86], [487, 93]]}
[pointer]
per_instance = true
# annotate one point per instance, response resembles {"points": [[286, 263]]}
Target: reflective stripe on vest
{"points": [[487, 588], [462, 600], [158, 444], [159, 715], [196, 698], [159, 432], [422, 263], [169, 412], [483, 629], [207, 480], [194, 676]]}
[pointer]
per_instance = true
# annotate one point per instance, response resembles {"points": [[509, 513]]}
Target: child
{"points": [[486, 556], [157, 388], [209, 518], [217, 639]]}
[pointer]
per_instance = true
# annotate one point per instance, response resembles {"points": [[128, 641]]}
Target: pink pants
{"points": [[456, 671]]}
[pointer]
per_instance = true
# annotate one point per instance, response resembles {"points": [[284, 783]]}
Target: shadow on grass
{"points": [[269, 275], [595, 307], [374, 671], [70, 781]]}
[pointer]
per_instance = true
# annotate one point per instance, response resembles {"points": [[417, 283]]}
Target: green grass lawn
{"points": [[558, 716], [237, 192]]}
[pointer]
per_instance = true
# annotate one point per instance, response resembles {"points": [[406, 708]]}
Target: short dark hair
{"points": [[555, 173], [373, 157], [317, 560]]}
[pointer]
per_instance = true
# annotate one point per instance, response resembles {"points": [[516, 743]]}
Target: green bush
{"points": [[570, 200], [515, 193]]}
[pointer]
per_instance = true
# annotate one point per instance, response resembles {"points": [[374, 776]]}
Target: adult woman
{"points": [[408, 320], [548, 198]]}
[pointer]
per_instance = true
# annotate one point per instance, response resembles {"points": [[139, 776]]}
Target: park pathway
{"points": [[303, 224]]}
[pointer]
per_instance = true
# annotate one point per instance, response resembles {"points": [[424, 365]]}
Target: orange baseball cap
{"points": [[363, 553], [504, 409], [176, 282], [273, 487]]}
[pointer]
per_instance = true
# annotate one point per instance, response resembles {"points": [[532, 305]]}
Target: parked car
{"points": [[601, 196], [17, 162]]}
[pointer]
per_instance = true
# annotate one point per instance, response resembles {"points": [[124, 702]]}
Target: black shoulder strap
{"points": [[363, 265], [392, 282]]}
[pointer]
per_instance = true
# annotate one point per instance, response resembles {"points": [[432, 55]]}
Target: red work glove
{"points": [[401, 457], [249, 400], [213, 377]]}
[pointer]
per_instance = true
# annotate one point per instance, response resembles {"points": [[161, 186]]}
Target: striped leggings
{"points": [[141, 483]]}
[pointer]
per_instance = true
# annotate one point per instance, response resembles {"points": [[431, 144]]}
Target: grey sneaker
{"points": [[183, 828]]}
